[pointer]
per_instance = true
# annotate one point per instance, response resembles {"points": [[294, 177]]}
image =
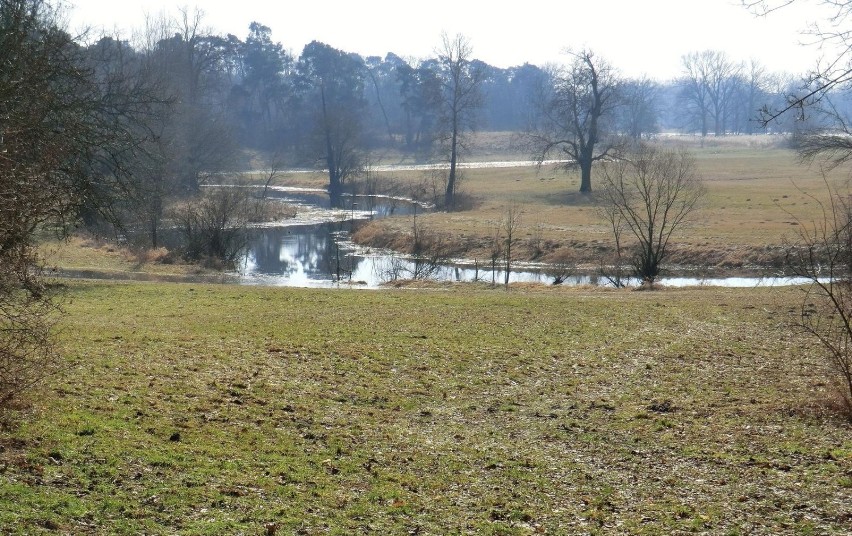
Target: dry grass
{"points": [[83, 255], [755, 195]]}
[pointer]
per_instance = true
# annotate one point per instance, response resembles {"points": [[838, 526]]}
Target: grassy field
{"points": [[197, 409], [757, 191]]}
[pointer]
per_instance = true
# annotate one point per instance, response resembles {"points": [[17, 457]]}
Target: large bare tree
{"points": [[461, 99], [577, 115]]}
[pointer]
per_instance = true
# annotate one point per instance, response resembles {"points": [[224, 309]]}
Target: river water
{"points": [[314, 250]]}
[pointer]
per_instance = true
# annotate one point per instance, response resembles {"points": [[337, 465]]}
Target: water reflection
{"points": [[314, 249], [299, 254]]}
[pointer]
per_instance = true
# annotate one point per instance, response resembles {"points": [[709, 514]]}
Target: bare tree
{"points": [[753, 90], [651, 192], [461, 99], [65, 134], [639, 115], [612, 269], [496, 253], [710, 80], [179, 65], [828, 137], [577, 114], [511, 222]]}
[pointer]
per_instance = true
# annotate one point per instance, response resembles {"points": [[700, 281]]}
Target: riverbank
{"points": [[577, 256], [83, 257], [759, 197]]}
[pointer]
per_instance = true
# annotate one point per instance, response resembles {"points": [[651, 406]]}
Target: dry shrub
{"points": [[429, 190], [823, 256], [270, 210], [27, 317], [158, 255], [213, 226]]}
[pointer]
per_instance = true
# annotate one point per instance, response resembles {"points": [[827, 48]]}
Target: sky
{"points": [[638, 37]]}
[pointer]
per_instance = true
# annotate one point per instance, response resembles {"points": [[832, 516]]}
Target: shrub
{"points": [[822, 255], [213, 226]]}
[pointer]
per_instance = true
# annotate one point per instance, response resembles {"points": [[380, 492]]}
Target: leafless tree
{"points": [[709, 82], [178, 63], [651, 192], [754, 87], [511, 222], [461, 99], [640, 111], [612, 267], [496, 253], [577, 114], [65, 134], [828, 137], [276, 165]]}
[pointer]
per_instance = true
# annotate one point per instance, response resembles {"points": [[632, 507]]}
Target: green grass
{"points": [[198, 409]]}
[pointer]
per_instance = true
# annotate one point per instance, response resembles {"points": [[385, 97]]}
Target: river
{"points": [[314, 250]]}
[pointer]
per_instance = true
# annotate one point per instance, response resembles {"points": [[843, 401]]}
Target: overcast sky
{"points": [[639, 37]]}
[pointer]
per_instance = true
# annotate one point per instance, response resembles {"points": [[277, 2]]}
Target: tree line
{"points": [[332, 109], [136, 127]]}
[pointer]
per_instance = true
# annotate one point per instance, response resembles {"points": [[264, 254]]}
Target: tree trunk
{"points": [[585, 175], [449, 196], [335, 190], [334, 187]]}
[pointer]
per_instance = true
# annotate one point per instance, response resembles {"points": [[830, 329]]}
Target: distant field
{"points": [[756, 192], [195, 409]]}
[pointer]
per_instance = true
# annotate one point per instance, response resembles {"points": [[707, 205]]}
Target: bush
{"points": [[648, 194], [27, 316], [823, 256], [213, 227]]}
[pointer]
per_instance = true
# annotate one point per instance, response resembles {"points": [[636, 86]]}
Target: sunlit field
{"points": [[199, 409]]}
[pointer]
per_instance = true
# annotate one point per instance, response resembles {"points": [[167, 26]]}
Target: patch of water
{"points": [[436, 166]]}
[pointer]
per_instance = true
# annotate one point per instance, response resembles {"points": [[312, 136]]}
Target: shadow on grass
{"points": [[571, 198]]}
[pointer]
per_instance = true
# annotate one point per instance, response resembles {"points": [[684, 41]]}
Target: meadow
{"points": [[202, 408], [220, 409], [758, 196]]}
